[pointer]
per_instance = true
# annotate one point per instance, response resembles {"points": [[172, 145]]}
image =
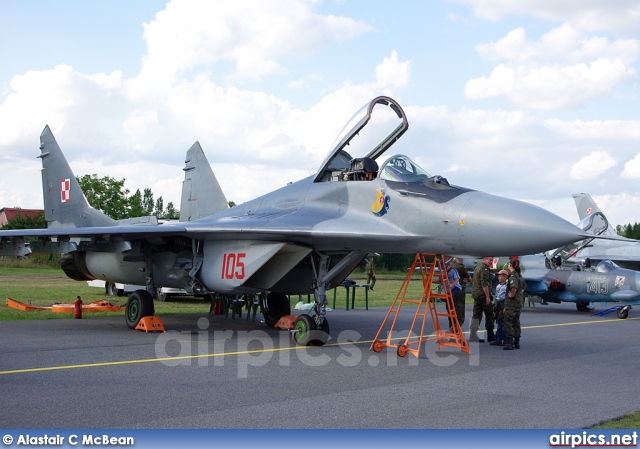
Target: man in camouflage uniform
{"points": [[371, 274], [462, 297], [482, 300], [513, 305]]}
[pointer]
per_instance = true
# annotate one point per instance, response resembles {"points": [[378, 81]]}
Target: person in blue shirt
{"points": [[456, 288], [500, 338]]}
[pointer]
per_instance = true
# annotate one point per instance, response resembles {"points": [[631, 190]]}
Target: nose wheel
{"points": [[306, 332], [623, 312]]}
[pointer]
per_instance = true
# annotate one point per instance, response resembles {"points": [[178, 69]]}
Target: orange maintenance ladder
{"points": [[433, 271]]}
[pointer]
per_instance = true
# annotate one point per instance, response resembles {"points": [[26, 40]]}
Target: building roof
{"points": [[9, 213]]}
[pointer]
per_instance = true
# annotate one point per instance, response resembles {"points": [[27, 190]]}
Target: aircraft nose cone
{"points": [[499, 226]]}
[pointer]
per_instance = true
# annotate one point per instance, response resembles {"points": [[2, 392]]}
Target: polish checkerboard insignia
{"points": [[65, 190]]}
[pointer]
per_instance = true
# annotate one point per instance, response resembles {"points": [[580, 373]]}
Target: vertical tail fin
{"points": [[65, 205], [201, 193], [586, 206]]}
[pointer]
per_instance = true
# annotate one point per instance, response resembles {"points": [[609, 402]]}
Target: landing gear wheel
{"points": [[623, 313], [139, 305], [377, 346], [277, 307], [303, 329], [110, 289], [402, 350], [582, 306], [162, 296]]}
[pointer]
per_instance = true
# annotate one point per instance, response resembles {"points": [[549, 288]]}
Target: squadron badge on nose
{"points": [[381, 205]]}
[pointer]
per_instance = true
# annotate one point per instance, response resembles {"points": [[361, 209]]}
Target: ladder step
{"points": [[430, 272]]}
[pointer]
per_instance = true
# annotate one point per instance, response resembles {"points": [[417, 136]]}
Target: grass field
{"points": [[43, 286]]}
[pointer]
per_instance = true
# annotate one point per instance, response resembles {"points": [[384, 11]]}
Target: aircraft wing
{"points": [[98, 231], [285, 226]]}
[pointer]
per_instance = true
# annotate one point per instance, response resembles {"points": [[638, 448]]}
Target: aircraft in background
{"points": [[303, 238], [624, 252], [582, 285]]}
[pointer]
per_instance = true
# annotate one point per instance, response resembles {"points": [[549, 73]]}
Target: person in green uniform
{"points": [[371, 274], [482, 300], [513, 305]]}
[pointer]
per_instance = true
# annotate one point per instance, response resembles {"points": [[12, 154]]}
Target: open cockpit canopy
{"points": [[375, 132]]}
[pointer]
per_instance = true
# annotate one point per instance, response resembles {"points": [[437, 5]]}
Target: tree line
{"points": [[111, 197], [630, 231]]}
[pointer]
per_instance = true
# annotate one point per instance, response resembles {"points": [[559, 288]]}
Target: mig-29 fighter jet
{"points": [[303, 238]]}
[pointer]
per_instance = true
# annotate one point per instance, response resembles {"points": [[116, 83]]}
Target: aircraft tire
{"points": [[110, 289], [623, 313], [304, 327], [582, 306], [161, 296], [139, 305], [277, 307], [307, 332]]}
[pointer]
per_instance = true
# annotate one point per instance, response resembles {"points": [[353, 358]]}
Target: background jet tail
{"points": [[586, 207], [65, 205], [201, 193]]}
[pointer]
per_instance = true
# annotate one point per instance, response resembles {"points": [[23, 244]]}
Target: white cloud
{"points": [[618, 17], [632, 168], [563, 44], [563, 69], [393, 73], [252, 34], [592, 166]]}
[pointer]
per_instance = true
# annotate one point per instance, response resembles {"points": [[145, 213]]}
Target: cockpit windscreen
{"points": [[402, 169]]}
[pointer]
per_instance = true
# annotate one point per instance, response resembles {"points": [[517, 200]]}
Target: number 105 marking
{"points": [[233, 265]]}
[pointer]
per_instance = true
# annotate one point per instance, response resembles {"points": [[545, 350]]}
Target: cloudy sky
{"points": [[528, 100]]}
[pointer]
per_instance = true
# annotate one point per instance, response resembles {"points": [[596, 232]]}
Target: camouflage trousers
{"points": [[481, 307], [512, 318], [371, 280]]}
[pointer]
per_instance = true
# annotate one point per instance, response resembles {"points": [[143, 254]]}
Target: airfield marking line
{"points": [[258, 351], [579, 322], [161, 359]]}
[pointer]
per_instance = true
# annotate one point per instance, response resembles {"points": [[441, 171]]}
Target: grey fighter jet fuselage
{"points": [[303, 238]]}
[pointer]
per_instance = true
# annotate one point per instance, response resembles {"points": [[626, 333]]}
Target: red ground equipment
{"points": [[77, 308]]}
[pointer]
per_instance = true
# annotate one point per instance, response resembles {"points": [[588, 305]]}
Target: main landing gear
{"points": [[275, 307], [139, 305]]}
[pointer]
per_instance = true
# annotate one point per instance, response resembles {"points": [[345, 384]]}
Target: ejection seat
{"points": [[363, 169]]}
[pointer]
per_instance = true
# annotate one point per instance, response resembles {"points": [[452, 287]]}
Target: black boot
{"points": [[516, 343], [490, 335], [509, 345]]}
